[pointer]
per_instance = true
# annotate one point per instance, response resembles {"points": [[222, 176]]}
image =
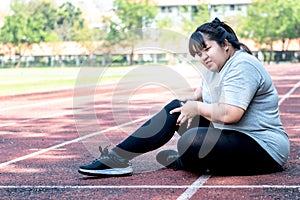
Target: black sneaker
{"points": [[108, 164], [169, 158]]}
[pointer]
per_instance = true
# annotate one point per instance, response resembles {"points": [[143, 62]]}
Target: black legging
{"points": [[202, 147]]}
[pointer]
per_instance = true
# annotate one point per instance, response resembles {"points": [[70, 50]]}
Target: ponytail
{"points": [[217, 31]]}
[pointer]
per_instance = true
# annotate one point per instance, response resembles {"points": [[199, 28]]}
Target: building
{"points": [[224, 8], [94, 10], [217, 8]]}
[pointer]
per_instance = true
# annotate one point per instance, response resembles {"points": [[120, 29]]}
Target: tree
{"points": [[130, 15], [39, 21], [292, 20], [89, 39], [27, 25], [47, 11], [68, 20], [268, 21]]}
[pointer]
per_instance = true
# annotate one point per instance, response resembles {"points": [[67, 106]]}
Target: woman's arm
{"points": [[222, 113]]}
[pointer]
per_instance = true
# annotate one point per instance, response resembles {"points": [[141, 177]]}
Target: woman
{"points": [[231, 125]]}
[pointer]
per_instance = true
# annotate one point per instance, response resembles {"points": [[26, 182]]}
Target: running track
{"points": [[41, 149]]}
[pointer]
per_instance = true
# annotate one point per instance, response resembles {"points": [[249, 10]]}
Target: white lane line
{"points": [[38, 118], [36, 80], [37, 104], [68, 142], [289, 93], [190, 191], [149, 186], [59, 114], [197, 184], [70, 112]]}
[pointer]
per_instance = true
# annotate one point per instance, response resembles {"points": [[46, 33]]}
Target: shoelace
{"points": [[104, 152]]}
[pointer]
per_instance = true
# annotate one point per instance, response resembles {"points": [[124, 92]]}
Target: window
{"points": [[215, 8], [194, 9]]}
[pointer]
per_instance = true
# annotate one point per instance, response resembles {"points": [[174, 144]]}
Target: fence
{"points": [[123, 59]]}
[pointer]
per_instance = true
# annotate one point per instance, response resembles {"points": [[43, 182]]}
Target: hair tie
{"points": [[217, 22]]}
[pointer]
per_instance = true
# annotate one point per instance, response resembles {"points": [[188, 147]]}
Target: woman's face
{"points": [[214, 56]]}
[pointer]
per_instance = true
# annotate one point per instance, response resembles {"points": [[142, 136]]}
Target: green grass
{"points": [[29, 80]]}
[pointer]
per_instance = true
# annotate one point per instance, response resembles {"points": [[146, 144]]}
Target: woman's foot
{"points": [[108, 164], [169, 158]]}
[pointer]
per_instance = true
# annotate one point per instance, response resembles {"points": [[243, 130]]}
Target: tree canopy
{"points": [[39, 21], [269, 20], [129, 16]]}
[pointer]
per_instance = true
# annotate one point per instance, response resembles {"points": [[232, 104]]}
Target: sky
{"points": [[4, 5], [88, 4], [91, 9]]}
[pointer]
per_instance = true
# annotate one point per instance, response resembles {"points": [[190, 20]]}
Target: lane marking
{"points": [[291, 91], [36, 80], [149, 186], [109, 129], [192, 189], [199, 183], [71, 112], [37, 104], [69, 142], [59, 114]]}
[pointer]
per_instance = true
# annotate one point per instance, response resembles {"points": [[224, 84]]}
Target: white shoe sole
{"points": [[107, 172]]}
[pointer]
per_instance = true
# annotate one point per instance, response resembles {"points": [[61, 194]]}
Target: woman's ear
{"points": [[226, 45]]}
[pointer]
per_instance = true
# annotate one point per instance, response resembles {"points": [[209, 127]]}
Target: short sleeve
{"points": [[240, 84]]}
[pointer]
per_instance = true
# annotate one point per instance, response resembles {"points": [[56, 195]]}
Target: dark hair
{"points": [[217, 31]]}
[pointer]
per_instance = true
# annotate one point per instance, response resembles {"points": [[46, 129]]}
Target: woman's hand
{"points": [[187, 111], [196, 96]]}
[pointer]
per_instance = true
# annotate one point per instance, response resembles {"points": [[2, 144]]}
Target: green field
{"points": [[29, 80]]}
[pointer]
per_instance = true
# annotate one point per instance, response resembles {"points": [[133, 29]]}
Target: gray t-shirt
{"points": [[245, 83]]}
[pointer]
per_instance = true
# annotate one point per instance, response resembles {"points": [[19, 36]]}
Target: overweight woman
{"points": [[230, 125]]}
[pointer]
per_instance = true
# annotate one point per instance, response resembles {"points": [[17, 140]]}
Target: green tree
{"points": [[26, 25], [89, 39], [69, 22], [165, 23], [69, 19], [292, 20], [130, 15], [46, 10], [268, 21]]}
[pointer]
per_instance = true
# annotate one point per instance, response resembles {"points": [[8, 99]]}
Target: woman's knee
{"points": [[191, 140], [198, 141], [172, 105]]}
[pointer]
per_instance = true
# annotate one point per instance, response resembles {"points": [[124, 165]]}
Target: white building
{"points": [[217, 8], [94, 10], [224, 8]]}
